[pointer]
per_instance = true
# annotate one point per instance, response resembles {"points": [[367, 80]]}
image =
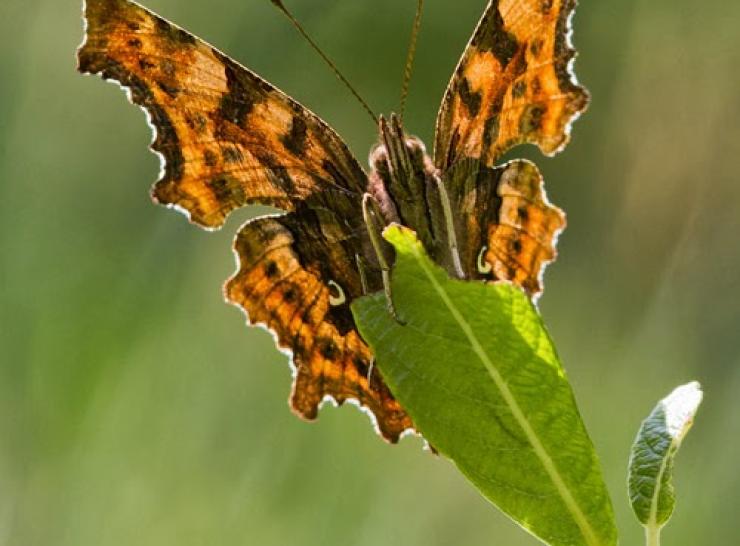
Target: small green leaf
{"points": [[651, 461], [476, 370]]}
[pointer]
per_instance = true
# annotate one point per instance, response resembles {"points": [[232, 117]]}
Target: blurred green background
{"points": [[136, 408]]}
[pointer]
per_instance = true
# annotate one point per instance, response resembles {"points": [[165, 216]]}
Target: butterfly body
{"points": [[405, 183], [228, 138]]}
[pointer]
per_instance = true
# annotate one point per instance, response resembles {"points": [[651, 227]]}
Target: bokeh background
{"points": [[137, 409]]}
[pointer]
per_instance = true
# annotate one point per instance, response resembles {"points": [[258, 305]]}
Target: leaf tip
{"points": [[402, 238], [680, 408]]}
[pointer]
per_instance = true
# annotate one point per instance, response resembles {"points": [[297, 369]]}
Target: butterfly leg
{"points": [[450, 227], [361, 265], [374, 221], [363, 275]]}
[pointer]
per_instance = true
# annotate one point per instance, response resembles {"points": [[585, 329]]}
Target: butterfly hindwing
{"points": [[297, 276], [512, 85], [510, 227], [227, 137]]}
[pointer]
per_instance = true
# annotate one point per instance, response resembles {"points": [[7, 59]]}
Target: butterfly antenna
{"points": [[410, 57], [279, 4]]}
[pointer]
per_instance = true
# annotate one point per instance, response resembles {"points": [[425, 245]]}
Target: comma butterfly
{"points": [[227, 139]]}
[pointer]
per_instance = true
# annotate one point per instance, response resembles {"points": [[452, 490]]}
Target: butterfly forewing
{"points": [[512, 85], [227, 137]]}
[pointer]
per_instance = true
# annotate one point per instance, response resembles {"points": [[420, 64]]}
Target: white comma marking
{"points": [[483, 267], [340, 298]]}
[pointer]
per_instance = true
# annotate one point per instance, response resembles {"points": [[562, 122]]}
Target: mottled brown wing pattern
{"points": [[512, 85], [511, 228], [298, 279], [227, 137]]}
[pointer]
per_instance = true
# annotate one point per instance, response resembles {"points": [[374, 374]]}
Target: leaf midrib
{"points": [[655, 500], [652, 526], [510, 400]]}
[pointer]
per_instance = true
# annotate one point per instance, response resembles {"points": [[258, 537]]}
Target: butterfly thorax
{"points": [[404, 182]]}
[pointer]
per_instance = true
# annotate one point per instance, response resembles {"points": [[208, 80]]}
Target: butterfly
{"points": [[227, 138]]}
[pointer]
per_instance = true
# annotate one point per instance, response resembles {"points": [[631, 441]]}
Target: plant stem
{"points": [[652, 535]]}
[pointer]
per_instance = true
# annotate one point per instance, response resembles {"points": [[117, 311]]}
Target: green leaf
{"points": [[476, 370], [651, 461]]}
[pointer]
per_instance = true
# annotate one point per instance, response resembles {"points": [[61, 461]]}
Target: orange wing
{"points": [[511, 228], [297, 277], [513, 84], [227, 138]]}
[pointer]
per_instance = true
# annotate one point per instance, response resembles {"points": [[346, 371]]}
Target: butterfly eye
{"points": [[378, 156], [337, 299], [483, 267]]}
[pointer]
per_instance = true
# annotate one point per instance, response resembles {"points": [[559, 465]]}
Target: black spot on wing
{"points": [[494, 37], [271, 269], [210, 158], [531, 118], [471, 99], [492, 124], [196, 121], [245, 90], [519, 89], [341, 318], [227, 190], [295, 140], [363, 367], [146, 65], [491, 129], [220, 188], [291, 293], [327, 348]]}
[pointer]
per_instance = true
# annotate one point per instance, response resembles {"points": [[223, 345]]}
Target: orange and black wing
{"points": [[297, 275], [510, 227], [512, 85], [227, 138]]}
